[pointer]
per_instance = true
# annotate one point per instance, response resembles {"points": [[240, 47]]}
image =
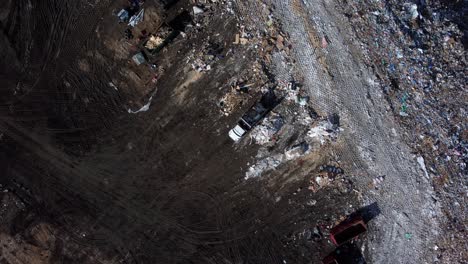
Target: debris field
{"points": [[228, 131]]}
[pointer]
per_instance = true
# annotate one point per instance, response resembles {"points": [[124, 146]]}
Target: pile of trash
{"points": [[204, 57], [132, 14], [321, 132], [266, 164], [274, 161], [204, 10], [421, 55], [328, 175], [325, 130], [264, 132], [157, 39]]}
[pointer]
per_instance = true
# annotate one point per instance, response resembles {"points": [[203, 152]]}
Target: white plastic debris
{"points": [[264, 132], [261, 134], [319, 132], [414, 11], [423, 166], [111, 84], [143, 108], [135, 19], [297, 151], [197, 10], [263, 165]]}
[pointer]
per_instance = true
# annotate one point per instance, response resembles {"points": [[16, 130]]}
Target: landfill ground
{"points": [[106, 161]]}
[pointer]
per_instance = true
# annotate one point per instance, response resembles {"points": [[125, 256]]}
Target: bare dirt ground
{"points": [[339, 82], [161, 186], [106, 161]]}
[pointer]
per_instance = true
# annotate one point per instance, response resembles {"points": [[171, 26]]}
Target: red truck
{"points": [[343, 233], [347, 230]]}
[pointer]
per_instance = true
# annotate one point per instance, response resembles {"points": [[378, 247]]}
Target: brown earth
{"points": [[160, 186]]}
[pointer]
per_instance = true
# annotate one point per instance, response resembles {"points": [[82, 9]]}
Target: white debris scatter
{"points": [[378, 181], [264, 132], [266, 164], [134, 20], [261, 134], [319, 132], [272, 162], [423, 166], [297, 151], [197, 10], [111, 84], [323, 131], [413, 10], [143, 108]]}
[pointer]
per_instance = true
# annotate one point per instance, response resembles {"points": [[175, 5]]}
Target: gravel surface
{"points": [[339, 82]]}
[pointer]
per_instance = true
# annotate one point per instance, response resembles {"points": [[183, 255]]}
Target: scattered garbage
{"points": [[324, 43], [332, 171], [413, 11], [315, 234], [423, 166], [111, 84], [144, 108], [312, 113], [206, 56], [267, 164], [153, 42], [320, 132], [239, 40], [135, 19], [123, 15], [303, 100], [139, 58], [334, 120], [378, 181], [404, 106], [319, 182], [264, 132], [419, 48], [297, 151], [293, 85], [157, 41], [197, 10]]}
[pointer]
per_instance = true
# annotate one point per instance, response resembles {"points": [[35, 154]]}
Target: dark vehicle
{"points": [[254, 115], [347, 230]]}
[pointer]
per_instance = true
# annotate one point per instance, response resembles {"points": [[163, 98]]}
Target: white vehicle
{"points": [[237, 133], [254, 115]]}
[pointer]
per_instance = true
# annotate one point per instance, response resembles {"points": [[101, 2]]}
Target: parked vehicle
{"points": [[254, 115], [348, 230]]}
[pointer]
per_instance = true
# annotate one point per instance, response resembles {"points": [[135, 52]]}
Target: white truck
{"points": [[254, 115]]}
